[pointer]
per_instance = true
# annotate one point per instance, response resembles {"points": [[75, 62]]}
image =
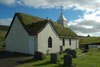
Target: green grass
{"points": [[3, 31], [2, 42], [42, 63], [89, 59], [1, 47], [86, 60], [2, 34], [89, 40]]}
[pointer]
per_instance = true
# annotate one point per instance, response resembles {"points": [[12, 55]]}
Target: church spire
{"points": [[62, 20], [61, 9]]}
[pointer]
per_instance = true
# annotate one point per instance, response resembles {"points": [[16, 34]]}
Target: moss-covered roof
{"points": [[89, 40], [64, 31], [34, 25]]}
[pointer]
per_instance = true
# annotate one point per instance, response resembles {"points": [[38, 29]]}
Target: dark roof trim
{"points": [[69, 37], [10, 26], [92, 44]]}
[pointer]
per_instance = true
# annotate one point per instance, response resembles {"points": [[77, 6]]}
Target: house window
{"points": [[69, 41], [49, 42], [63, 42]]}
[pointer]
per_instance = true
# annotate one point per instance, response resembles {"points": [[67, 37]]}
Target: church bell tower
{"points": [[62, 20]]}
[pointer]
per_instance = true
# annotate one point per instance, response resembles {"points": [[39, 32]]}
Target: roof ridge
{"points": [[33, 25]]}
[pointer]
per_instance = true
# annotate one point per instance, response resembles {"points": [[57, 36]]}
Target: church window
{"points": [[69, 41], [49, 42], [63, 41]]}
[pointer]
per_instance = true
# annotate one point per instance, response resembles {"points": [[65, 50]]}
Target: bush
{"points": [[86, 48]]}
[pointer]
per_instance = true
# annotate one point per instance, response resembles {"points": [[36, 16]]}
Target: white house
{"points": [[28, 34]]}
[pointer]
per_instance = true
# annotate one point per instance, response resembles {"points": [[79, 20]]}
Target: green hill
{"points": [[3, 31], [89, 40]]}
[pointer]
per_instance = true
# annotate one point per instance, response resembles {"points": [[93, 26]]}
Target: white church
{"points": [[28, 34]]}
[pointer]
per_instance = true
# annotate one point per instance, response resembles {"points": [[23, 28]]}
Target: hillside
{"points": [[3, 31], [89, 40]]}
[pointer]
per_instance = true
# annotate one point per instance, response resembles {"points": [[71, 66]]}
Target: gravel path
{"points": [[10, 59]]}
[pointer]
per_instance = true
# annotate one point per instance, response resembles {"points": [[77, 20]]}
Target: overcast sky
{"points": [[83, 15]]}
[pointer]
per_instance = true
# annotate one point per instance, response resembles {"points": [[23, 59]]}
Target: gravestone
{"points": [[67, 60], [48, 51], [53, 57], [94, 65], [39, 55], [83, 57], [61, 49], [67, 50], [86, 48], [72, 52], [74, 65]]}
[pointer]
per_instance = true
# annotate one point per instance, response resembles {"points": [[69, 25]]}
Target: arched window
{"points": [[70, 41], [63, 41], [49, 42]]}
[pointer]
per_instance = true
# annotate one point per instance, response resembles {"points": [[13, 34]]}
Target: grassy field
{"points": [[89, 40], [89, 59], [1, 45], [3, 31], [2, 42], [86, 60]]}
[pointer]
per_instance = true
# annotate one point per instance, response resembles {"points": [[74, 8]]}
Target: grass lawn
{"points": [[1, 47], [2, 42], [89, 59], [86, 60]]}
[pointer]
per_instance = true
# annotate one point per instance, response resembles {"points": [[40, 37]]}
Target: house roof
{"points": [[33, 25]]}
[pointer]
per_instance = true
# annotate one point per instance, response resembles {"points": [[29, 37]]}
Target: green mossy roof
{"points": [[35, 24], [64, 31], [89, 40]]}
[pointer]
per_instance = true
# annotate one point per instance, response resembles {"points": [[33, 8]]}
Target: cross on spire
{"points": [[61, 9]]}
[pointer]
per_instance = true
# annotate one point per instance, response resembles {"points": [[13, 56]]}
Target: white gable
{"points": [[18, 39], [43, 36]]}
